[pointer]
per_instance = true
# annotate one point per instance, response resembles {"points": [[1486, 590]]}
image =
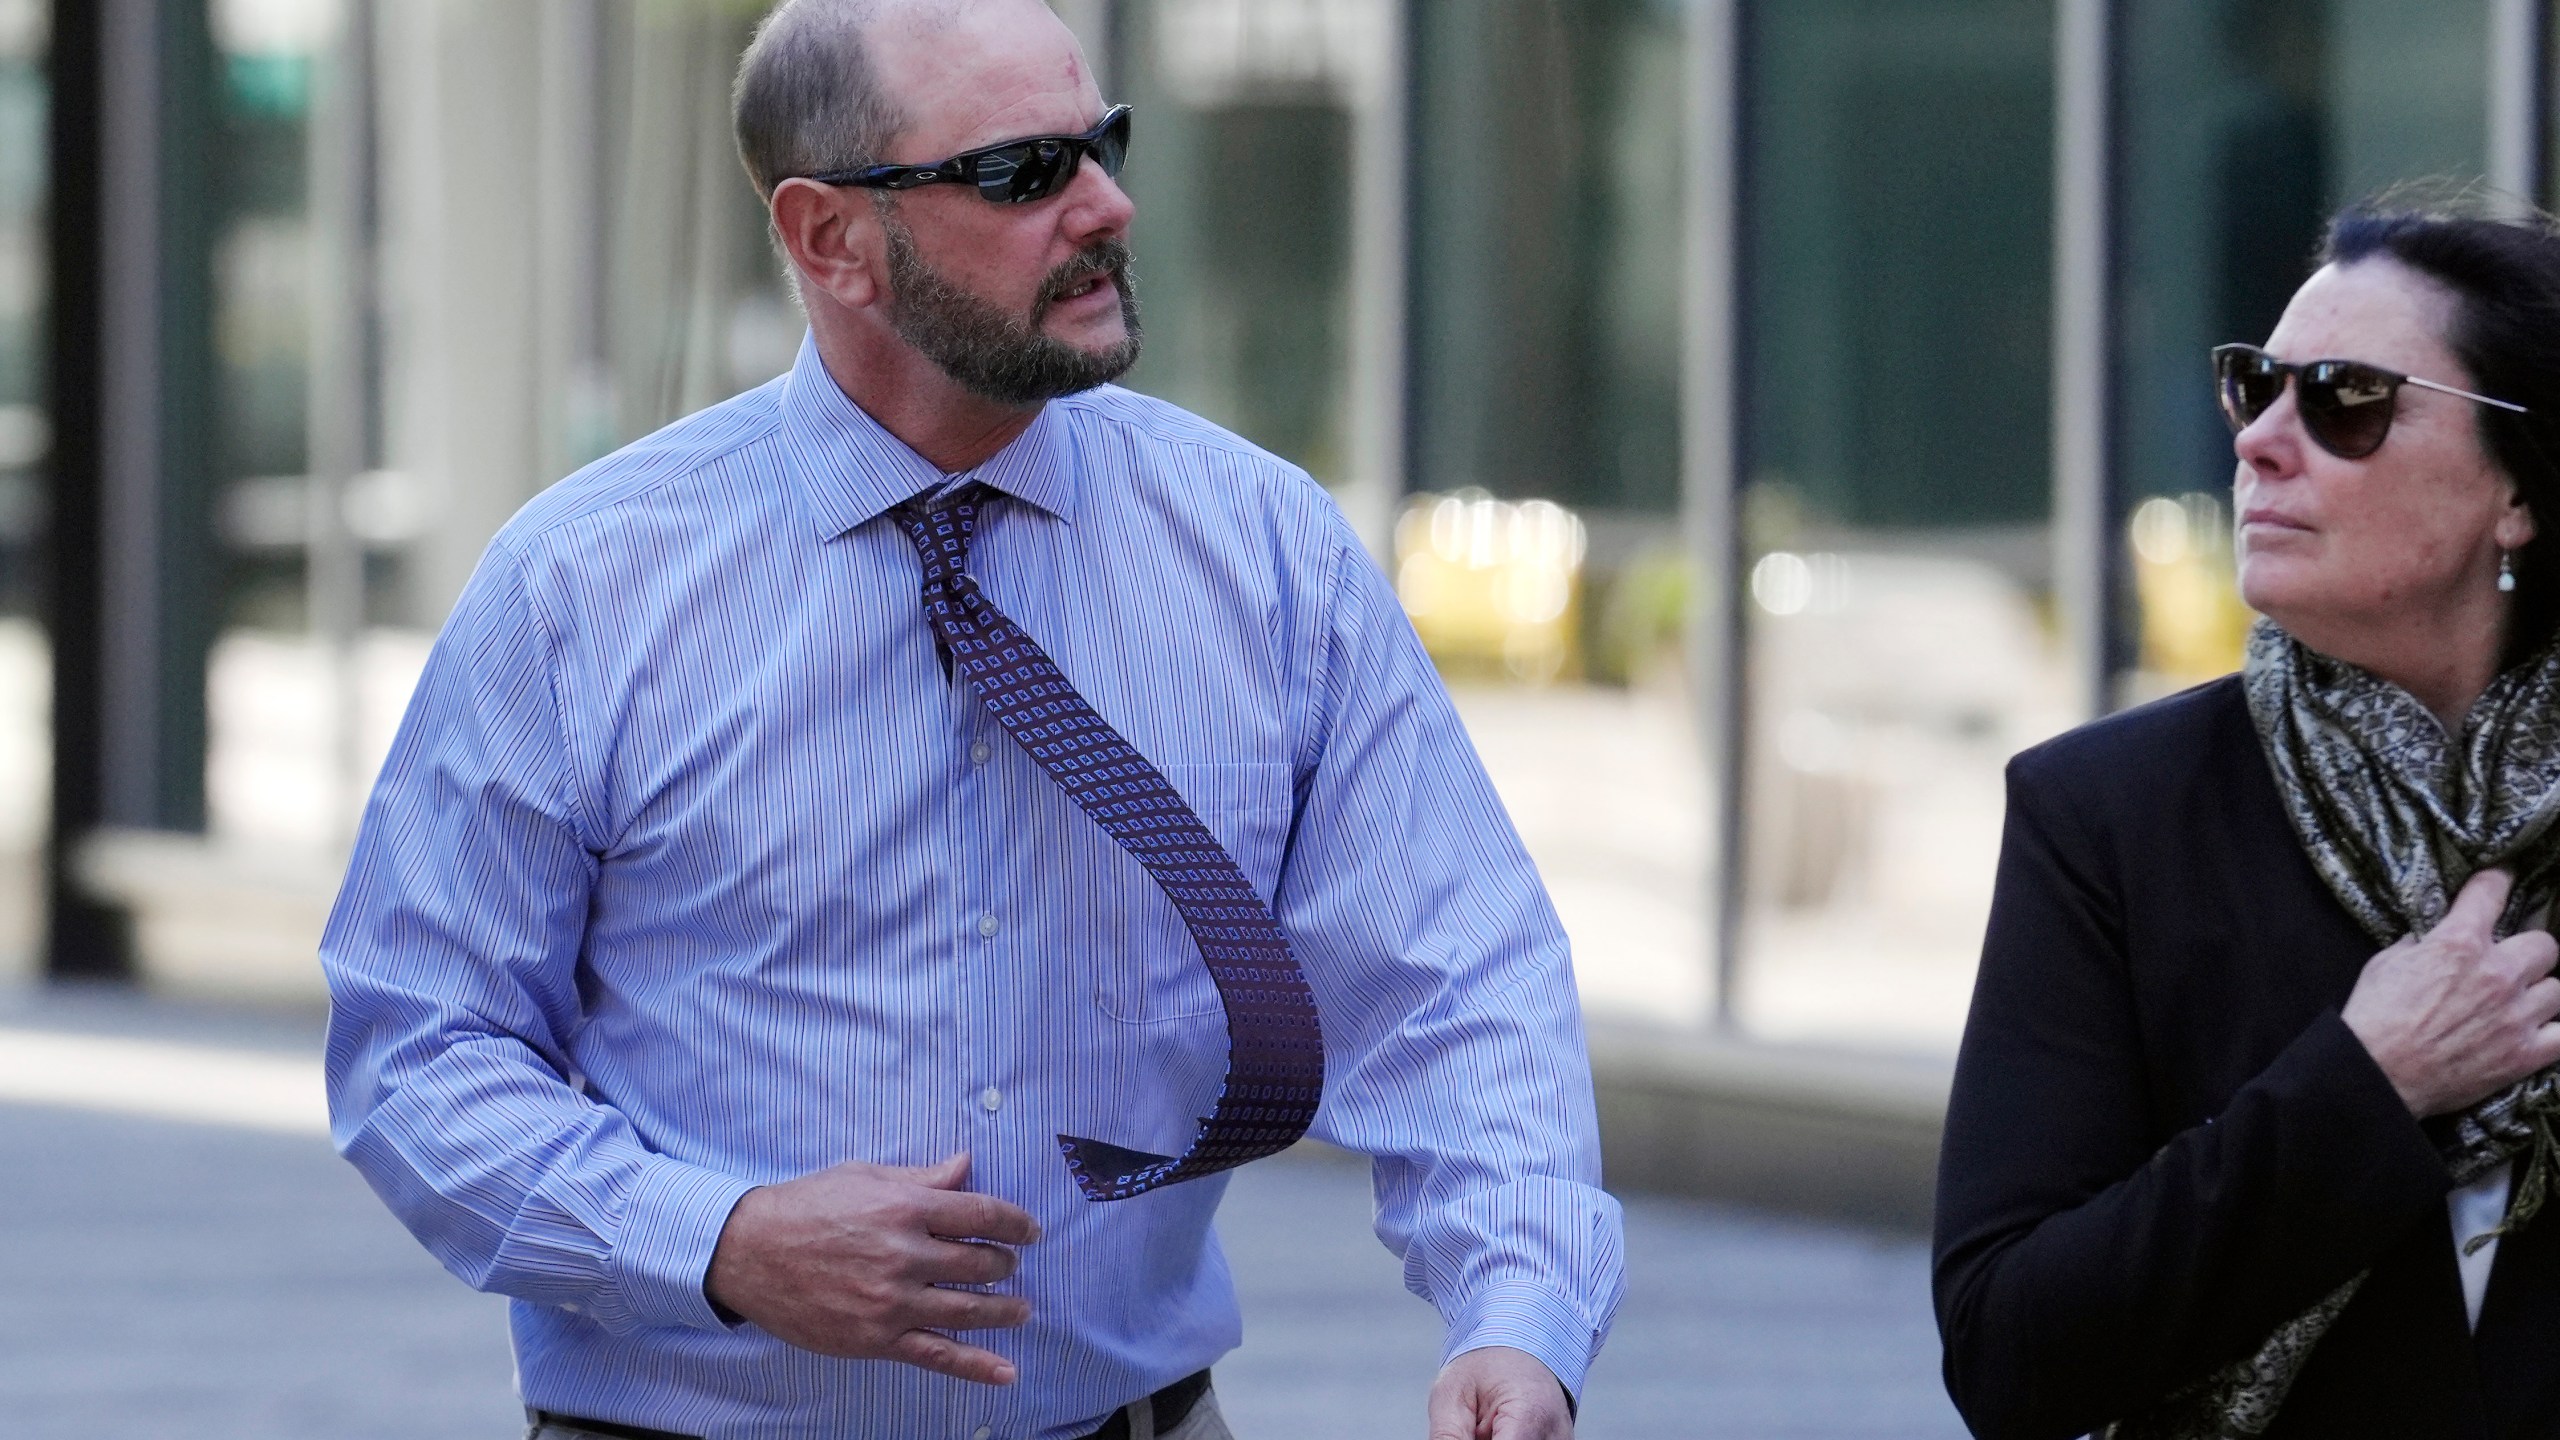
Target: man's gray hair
{"points": [[808, 99]]}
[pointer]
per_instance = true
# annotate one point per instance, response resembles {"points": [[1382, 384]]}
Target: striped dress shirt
{"points": [[691, 871]]}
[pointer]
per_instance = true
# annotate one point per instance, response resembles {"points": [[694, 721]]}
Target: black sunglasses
{"points": [[1016, 172], [2346, 405]]}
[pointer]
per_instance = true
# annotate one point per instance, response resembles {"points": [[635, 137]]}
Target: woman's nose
{"points": [[2272, 443]]}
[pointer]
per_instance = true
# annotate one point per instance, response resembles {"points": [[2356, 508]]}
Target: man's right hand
{"points": [[853, 1261], [2452, 1017]]}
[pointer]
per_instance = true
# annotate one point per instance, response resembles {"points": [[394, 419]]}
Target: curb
{"points": [[1840, 1135]]}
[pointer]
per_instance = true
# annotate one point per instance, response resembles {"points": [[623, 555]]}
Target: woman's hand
{"points": [[2453, 1018]]}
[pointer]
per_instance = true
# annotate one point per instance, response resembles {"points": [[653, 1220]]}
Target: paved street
{"points": [[218, 1280]]}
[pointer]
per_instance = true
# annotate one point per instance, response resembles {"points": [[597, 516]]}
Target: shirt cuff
{"points": [[677, 1213], [1547, 1325]]}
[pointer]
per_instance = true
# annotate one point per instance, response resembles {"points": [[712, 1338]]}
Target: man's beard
{"points": [[988, 352]]}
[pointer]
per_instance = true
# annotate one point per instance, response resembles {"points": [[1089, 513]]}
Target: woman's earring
{"points": [[2506, 572]]}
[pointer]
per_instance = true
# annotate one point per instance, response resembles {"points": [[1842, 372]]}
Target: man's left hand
{"points": [[1498, 1393]]}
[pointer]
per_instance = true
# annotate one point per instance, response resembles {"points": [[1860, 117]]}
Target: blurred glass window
{"points": [[1547, 194], [1241, 165], [2244, 126], [25, 661], [1896, 207], [1540, 552]]}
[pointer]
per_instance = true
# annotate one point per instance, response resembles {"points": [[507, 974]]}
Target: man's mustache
{"points": [[1108, 258]]}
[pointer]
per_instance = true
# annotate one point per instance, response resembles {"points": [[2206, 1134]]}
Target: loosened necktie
{"points": [[1275, 1049]]}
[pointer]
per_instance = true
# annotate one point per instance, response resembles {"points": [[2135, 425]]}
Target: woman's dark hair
{"points": [[2504, 273]]}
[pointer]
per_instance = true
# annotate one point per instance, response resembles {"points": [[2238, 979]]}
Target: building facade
{"points": [[1774, 415]]}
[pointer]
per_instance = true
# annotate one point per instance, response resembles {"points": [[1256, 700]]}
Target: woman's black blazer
{"points": [[2163, 1142]]}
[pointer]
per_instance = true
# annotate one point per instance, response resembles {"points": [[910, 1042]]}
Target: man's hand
{"points": [[852, 1261], [2453, 1018], [1498, 1393]]}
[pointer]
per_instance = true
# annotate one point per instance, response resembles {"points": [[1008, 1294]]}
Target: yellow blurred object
{"points": [[1492, 587], [2194, 626]]}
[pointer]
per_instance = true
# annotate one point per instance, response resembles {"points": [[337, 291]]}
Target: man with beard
{"points": [[864, 861]]}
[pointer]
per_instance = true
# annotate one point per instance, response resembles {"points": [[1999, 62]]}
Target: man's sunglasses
{"points": [[2346, 405], [1016, 172]]}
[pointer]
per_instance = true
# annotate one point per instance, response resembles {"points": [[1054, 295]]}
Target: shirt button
{"points": [[980, 754], [983, 1433], [992, 1098], [989, 925]]}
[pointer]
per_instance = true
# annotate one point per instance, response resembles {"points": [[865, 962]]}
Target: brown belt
{"points": [[1172, 1405]]}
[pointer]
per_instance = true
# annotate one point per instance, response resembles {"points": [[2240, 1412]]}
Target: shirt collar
{"points": [[851, 468]]}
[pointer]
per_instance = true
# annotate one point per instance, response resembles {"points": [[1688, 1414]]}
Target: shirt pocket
{"points": [[1151, 968]]}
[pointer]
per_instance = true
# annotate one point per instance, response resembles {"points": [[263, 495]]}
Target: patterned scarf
{"points": [[2396, 815]]}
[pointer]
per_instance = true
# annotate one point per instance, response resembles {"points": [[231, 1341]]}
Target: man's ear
{"points": [[832, 234]]}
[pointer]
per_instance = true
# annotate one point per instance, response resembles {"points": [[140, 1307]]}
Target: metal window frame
{"points": [[1381, 240], [128, 550], [2086, 567], [1710, 463], [2519, 63]]}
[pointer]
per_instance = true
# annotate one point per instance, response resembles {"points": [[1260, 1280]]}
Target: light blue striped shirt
{"points": [[690, 871]]}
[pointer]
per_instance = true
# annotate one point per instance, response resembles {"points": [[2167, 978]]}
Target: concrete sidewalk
{"points": [[209, 1281]]}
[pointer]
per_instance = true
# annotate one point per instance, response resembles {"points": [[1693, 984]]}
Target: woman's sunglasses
{"points": [[1016, 172], [2346, 405]]}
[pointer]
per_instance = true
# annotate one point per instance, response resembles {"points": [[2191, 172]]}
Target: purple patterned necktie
{"points": [[1275, 1050]]}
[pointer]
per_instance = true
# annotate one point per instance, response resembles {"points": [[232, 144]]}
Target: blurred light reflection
{"points": [[1492, 586]]}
